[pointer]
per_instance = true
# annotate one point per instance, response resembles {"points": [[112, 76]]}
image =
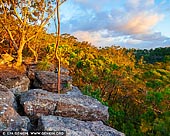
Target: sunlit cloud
{"points": [[128, 23], [140, 23], [95, 38]]}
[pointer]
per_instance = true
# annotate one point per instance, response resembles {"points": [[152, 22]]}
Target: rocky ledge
{"points": [[41, 109]]}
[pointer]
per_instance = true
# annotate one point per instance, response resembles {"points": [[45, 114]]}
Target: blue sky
{"points": [[127, 23]]}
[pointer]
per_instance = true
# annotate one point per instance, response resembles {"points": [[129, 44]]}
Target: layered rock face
{"points": [[74, 127], [39, 102]]}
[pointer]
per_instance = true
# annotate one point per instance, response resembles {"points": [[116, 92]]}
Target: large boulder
{"points": [[6, 96], [10, 120], [74, 127], [39, 102], [16, 83], [48, 81]]}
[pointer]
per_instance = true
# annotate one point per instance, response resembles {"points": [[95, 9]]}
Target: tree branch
{"points": [[49, 17], [46, 21], [10, 35], [62, 2], [2, 41], [16, 13]]}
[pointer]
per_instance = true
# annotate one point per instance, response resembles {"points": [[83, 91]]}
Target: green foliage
{"points": [[153, 55], [154, 84], [44, 65], [79, 64], [137, 94], [155, 97]]}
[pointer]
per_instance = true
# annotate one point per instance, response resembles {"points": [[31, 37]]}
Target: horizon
{"points": [[130, 24]]}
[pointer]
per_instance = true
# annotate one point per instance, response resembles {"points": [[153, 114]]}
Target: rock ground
{"points": [[72, 112], [74, 127]]}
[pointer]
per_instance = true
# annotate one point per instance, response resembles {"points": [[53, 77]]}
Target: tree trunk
{"points": [[19, 52], [34, 53], [58, 79], [57, 44]]}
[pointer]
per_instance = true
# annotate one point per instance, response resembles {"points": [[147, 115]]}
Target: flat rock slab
{"points": [[48, 81], [74, 127], [10, 120], [37, 102]]}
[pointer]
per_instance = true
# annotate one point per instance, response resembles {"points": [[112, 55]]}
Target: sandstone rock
{"points": [[48, 81], [17, 83], [63, 71], [74, 92], [74, 127], [31, 69], [39, 102], [10, 120], [6, 96]]}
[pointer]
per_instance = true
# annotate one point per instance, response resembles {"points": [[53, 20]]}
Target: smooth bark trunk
{"points": [[19, 52], [57, 44]]}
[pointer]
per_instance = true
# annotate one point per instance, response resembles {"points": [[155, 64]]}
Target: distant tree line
{"points": [[153, 55]]}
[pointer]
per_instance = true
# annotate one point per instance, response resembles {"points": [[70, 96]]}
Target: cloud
{"points": [[96, 38], [139, 23], [157, 36], [127, 23], [93, 4], [104, 38], [139, 4]]}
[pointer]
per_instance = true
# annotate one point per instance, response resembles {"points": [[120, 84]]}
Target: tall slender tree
{"points": [[57, 25]]}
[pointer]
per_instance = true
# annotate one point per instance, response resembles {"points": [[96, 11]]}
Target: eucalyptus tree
{"points": [[57, 25], [26, 13]]}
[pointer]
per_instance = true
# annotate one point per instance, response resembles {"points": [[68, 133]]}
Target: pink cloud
{"points": [[140, 23]]}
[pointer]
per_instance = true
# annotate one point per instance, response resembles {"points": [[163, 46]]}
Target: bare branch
{"points": [[2, 41], [32, 36], [16, 13], [46, 21], [49, 17], [62, 2]]}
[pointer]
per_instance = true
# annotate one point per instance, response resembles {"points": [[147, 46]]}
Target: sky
{"points": [[141, 24]]}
